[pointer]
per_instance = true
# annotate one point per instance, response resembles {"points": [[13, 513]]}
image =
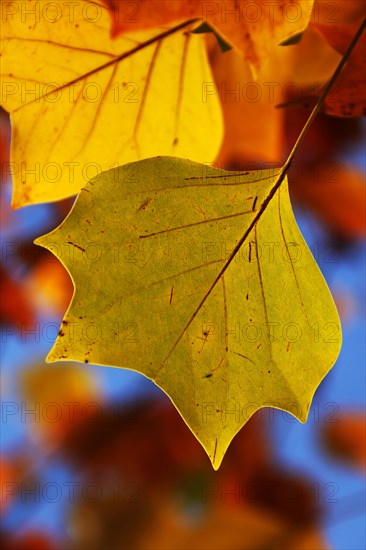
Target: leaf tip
{"points": [[216, 463], [56, 354], [39, 241], [303, 414], [50, 358], [16, 203], [216, 453], [42, 242]]}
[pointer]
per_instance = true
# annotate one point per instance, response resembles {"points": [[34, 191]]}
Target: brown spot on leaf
{"points": [[144, 205], [76, 246]]}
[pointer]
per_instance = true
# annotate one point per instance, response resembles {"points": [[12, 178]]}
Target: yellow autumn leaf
{"points": [[81, 102], [201, 280]]}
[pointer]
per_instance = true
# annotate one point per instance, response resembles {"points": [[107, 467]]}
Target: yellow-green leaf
{"points": [[81, 102], [193, 277]]}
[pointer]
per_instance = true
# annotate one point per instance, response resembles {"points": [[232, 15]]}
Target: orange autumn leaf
{"points": [[348, 96], [346, 439], [252, 27], [49, 286], [253, 126], [15, 304], [255, 131], [345, 12], [336, 193], [8, 475], [34, 540]]}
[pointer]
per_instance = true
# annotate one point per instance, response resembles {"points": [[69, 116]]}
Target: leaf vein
{"points": [[211, 220]]}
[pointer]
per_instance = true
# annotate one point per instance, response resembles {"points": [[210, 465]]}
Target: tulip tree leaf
{"points": [[82, 102], [191, 276]]}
